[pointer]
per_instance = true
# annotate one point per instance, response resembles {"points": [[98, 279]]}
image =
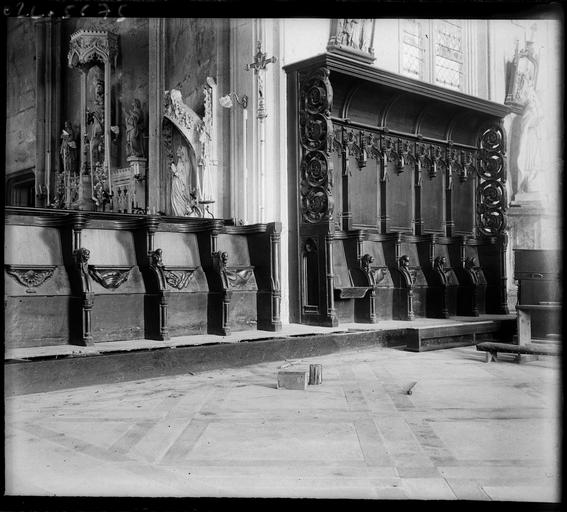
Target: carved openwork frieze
{"points": [[110, 277], [30, 276], [404, 152], [316, 137], [491, 192]]}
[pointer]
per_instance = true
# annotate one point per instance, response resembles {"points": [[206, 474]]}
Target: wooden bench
{"points": [[537, 349]]}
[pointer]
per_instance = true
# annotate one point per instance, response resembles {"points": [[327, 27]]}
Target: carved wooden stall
{"points": [[86, 277], [397, 196]]}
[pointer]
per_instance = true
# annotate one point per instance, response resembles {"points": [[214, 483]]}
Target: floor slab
{"points": [[468, 431]]}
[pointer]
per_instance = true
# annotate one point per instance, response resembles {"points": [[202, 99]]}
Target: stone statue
{"points": [[95, 119], [180, 197], [354, 33], [529, 160], [529, 155], [68, 150], [134, 130]]}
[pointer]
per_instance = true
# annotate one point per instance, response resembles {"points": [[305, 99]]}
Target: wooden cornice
{"points": [[351, 67]]}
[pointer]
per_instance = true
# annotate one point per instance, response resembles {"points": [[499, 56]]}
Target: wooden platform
{"points": [[38, 369]]}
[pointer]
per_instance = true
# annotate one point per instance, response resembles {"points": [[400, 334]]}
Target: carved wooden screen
{"points": [[379, 154]]}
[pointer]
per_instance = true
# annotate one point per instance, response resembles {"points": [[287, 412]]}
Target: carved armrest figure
{"points": [[220, 259], [404, 268], [439, 266], [376, 274], [156, 264], [472, 269], [82, 256]]}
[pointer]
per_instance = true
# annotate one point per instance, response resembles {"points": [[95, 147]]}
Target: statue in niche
{"points": [[68, 149], [180, 187], [135, 130], [95, 120]]}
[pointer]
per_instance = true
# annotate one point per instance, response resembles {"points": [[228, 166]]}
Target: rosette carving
{"points": [[315, 203], [315, 169], [317, 140], [315, 132]]}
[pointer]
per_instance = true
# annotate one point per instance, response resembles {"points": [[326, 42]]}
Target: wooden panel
{"points": [[433, 204], [336, 161], [463, 205], [537, 260], [237, 248], [178, 248], [32, 245], [118, 317], [187, 314], [36, 321], [109, 246], [365, 193], [399, 199]]}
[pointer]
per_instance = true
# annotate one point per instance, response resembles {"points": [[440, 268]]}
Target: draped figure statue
{"points": [[529, 156], [134, 130], [68, 149], [180, 194]]}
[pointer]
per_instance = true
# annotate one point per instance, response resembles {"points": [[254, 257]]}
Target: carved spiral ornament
{"points": [[492, 139], [491, 222], [491, 192], [492, 165]]}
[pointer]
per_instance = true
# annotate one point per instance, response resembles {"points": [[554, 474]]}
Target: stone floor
{"points": [[468, 431]]}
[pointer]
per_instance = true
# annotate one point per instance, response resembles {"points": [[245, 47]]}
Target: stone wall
{"points": [[191, 46], [20, 96]]}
